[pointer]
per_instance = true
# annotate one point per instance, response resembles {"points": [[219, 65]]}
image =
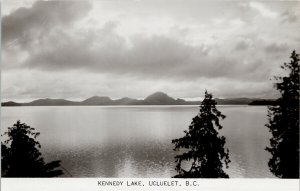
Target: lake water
{"points": [[135, 141]]}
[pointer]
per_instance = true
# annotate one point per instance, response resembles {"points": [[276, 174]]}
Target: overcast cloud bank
{"points": [[75, 49]]}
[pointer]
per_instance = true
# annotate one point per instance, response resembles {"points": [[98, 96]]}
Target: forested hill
{"points": [[158, 98]]}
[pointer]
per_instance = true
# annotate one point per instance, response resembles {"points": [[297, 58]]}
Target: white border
{"points": [[91, 184]]}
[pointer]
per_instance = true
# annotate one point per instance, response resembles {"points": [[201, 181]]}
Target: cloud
{"points": [[117, 48], [264, 11], [104, 51], [242, 45], [26, 24], [276, 48], [290, 17], [75, 85]]}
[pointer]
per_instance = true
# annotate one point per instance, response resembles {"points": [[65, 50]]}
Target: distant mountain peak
{"points": [[160, 98], [98, 97], [158, 94], [95, 100], [47, 101]]}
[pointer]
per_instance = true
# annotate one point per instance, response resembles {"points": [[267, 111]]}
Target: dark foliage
{"points": [[21, 156], [284, 123], [202, 145], [263, 102]]}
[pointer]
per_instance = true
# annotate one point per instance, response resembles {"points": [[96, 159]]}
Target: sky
{"points": [[133, 48]]}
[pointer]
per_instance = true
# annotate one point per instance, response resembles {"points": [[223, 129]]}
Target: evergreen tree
{"points": [[21, 156], [284, 123], [202, 145]]}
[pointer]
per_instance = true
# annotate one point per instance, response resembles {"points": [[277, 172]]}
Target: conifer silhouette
{"points": [[284, 123], [21, 156], [202, 145]]}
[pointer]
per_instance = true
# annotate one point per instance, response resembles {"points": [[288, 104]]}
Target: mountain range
{"points": [[158, 98]]}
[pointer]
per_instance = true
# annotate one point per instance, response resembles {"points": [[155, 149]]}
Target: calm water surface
{"points": [[135, 141]]}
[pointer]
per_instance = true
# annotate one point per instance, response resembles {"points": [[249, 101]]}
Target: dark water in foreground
{"points": [[135, 141]]}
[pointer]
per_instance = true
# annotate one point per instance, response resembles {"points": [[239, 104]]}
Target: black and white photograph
{"points": [[150, 89]]}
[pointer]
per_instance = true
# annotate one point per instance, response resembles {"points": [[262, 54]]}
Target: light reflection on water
{"points": [[135, 141]]}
